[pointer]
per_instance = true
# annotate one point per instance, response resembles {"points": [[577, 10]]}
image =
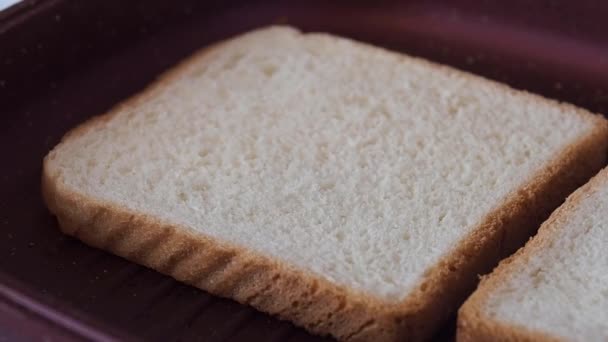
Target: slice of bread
{"points": [[355, 191], [556, 287]]}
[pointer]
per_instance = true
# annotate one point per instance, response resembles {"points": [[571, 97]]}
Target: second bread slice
{"points": [[355, 191]]}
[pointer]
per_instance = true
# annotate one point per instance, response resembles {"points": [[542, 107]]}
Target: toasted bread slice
{"points": [[355, 191]]}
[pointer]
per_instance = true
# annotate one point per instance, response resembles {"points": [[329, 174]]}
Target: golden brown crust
{"points": [[473, 325], [219, 268], [300, 296]]}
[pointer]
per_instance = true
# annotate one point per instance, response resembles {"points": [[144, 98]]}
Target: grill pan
{"points": [[63, 61]]}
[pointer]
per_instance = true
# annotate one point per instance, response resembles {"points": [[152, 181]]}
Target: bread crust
{"points": [[473, 325], [307, 299]]}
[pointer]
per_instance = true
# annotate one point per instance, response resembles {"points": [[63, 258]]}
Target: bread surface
{"points": [[555, 288], [355, 191]]}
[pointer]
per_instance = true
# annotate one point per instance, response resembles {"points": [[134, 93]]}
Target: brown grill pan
{"points": [[64, 61]]}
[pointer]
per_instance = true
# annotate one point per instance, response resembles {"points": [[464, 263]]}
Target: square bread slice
{"points": [[556, 287], [354, 191]]}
